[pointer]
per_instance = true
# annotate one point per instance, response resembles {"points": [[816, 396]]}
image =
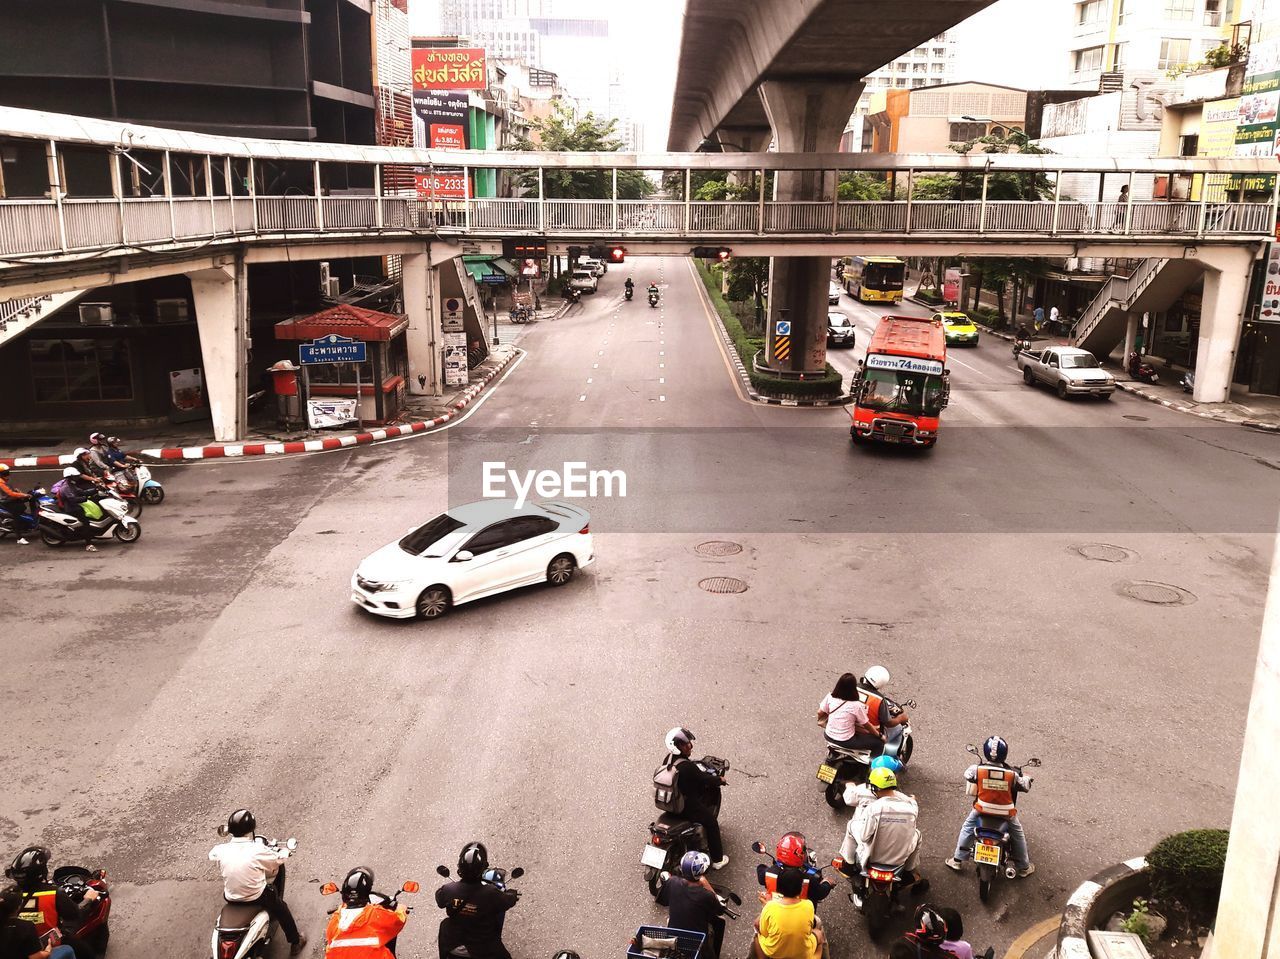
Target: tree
{"points": [[748, 278], [1002, 271], [562, 132], [856, 185]]}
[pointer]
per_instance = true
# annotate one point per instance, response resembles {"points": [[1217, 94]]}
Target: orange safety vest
{"points": [[42, 909], [365, 937], [873, 702], [771, 884], [994, 791]]}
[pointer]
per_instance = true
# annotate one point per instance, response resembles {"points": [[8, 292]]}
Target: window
{"points": [[1179, 9], [1188, 145], [1174, 52], [917, 82], [78, 371], [1120, 12], [493, 537], [1121, 55], [939, 68], [1212, 13], [960, 132], [919, 68], [1091, 12], [1088, 59]]}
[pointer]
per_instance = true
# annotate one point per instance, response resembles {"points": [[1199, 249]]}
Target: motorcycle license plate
{"points": [[987, 853], [654, 857], [827, 773]]}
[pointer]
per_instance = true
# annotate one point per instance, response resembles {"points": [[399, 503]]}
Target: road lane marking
{"points": [[582, 397], [595, 366], [662, 379], [662, 399], [705, 299], [1041, 930], [588, 379], [952, 358]]}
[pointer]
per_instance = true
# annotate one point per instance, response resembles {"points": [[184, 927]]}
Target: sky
{"points": [[1004, 43]]}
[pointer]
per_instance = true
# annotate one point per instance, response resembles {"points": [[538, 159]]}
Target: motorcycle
{"points": [[1021, 346], [1140, 371], [377, 899], [137, 481], [93, 929], [1188, 382], [244, 930], [671, 836], [653, 299], [494, 876], [873, 889], [21, 525], [572, 295], [815, 886], [628, 294], [57, 528], [843, 765], [991, 840]]}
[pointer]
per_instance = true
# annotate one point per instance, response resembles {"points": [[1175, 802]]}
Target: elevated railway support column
{"points": [[807, 116], [222, 320], [421, 283], [1222, 310]]}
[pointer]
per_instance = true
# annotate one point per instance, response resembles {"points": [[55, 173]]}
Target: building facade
{"points": [[931, 120], [928, 65]]}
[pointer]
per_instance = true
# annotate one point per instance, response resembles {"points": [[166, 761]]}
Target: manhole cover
{"points": [[717, 548], [723, 584], [1140, 419], [1105, 553], [1159, 594]]}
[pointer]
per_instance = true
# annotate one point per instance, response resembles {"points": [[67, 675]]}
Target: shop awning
{"points": [[342, 320], [481, 266]]}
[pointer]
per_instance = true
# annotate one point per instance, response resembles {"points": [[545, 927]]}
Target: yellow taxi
{"points": [[959, 329]]}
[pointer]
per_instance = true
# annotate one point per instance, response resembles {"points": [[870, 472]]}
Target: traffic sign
{"points": [[332, 349], [451, 321], [782, 328]]}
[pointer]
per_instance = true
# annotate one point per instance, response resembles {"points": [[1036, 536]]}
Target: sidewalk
{"points": [[191, 442], [1252, 411]]}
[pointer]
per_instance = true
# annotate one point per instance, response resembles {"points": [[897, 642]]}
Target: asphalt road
{"points": [[218, 663]]}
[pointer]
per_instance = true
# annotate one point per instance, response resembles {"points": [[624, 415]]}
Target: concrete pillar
{"points": [[421, 285], [1222, 310], [1248, 924], [222, 321], [807, 116], [1132, 323]]}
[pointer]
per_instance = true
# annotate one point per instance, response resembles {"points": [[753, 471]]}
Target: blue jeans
{"points": [[1017, 840], [62, 952]]}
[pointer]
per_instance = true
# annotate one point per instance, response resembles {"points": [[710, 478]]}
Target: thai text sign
{"points": [[444, 184], [907, 364], [332, 349], [449, 68]]}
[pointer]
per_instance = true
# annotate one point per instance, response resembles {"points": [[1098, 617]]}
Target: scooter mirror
{"points": [[1032, 762], [971, 748], [223, 830], [410, 887], [837, 863], [328, 889], [758, 847], [443, 870], [291, 844], [735, 899], [517, 872]]}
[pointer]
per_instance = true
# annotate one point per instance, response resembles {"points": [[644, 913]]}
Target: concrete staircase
{"points": [[18, 316], [1153, 286]]}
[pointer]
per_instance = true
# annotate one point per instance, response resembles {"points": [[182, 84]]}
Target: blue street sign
{"points": [[332, 349], [782, 328], [493, 279]]}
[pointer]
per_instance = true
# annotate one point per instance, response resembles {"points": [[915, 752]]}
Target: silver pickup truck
{"points": [[1070, 371]]}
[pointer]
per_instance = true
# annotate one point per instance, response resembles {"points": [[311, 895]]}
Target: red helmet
{"points": [[791, 850]]}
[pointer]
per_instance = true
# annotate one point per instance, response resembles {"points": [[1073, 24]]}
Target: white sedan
{"points": [[471, 552]]}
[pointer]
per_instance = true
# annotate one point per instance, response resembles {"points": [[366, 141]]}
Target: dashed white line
{"points": [[588, 380], [582, 397], [662, 399], [595, 366], [662, 379]]}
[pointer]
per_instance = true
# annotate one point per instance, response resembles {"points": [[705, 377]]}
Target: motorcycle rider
{"points": [[1022, 335], [792, 853], [13, 501], [71, 492], [120, 461], [691, 901], [995, 785], [630, 284], [360, 929], [883, 829], [885, 714], [83, 463], [845, 720], [924, 941], [248, 869], [700, 789], [474, 910], [47, 905], [653, 290], [18, 937], [98, 454]]}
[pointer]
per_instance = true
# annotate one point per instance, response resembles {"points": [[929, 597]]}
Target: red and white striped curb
{"points": [[231, 450]]}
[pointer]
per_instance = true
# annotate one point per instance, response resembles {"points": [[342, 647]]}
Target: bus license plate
{"points": [[827, 773], [653, 856], [987, 853]]}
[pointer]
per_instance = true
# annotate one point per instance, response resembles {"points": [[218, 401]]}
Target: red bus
{"points": [[903, 385]]}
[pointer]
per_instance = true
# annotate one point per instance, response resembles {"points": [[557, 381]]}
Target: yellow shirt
{"points": [[786, 930]]}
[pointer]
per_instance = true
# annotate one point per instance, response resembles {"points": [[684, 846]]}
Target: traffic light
{"points": [[720, 253], [519, 248], [618, 254]]}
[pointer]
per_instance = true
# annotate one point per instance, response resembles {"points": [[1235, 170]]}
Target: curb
{"points": [[1073, 933], [843, 400], [1128, 387], [232, 450]]}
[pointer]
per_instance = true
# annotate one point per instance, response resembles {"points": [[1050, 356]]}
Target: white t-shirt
{"points": [[843, 716], [246, 867]]}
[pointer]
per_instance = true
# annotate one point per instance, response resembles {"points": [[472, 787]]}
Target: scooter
{"points": [[713, 934], [137, 481], [494, 876], [58, 528], [244, 930], [991, 840], [671, 836], [1188, 382], [629, 293], [572, 294], [1140, 371], [815, 888], [93, 930], [873, 890], [378, 899], [1021, 346], [843, 765], [653, 299], [21, 525]]}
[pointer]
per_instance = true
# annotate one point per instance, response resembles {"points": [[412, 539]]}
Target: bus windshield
{"points": [[896, 391], [883, 276]]}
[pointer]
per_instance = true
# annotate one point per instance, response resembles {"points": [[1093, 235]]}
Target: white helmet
{"points": [[676, 737], [877, 676], [80, 451], [70, 471]]}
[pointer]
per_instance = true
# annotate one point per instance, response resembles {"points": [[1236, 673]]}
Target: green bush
{"points": [[1187, 868], [827, 385], [929, 296]]}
